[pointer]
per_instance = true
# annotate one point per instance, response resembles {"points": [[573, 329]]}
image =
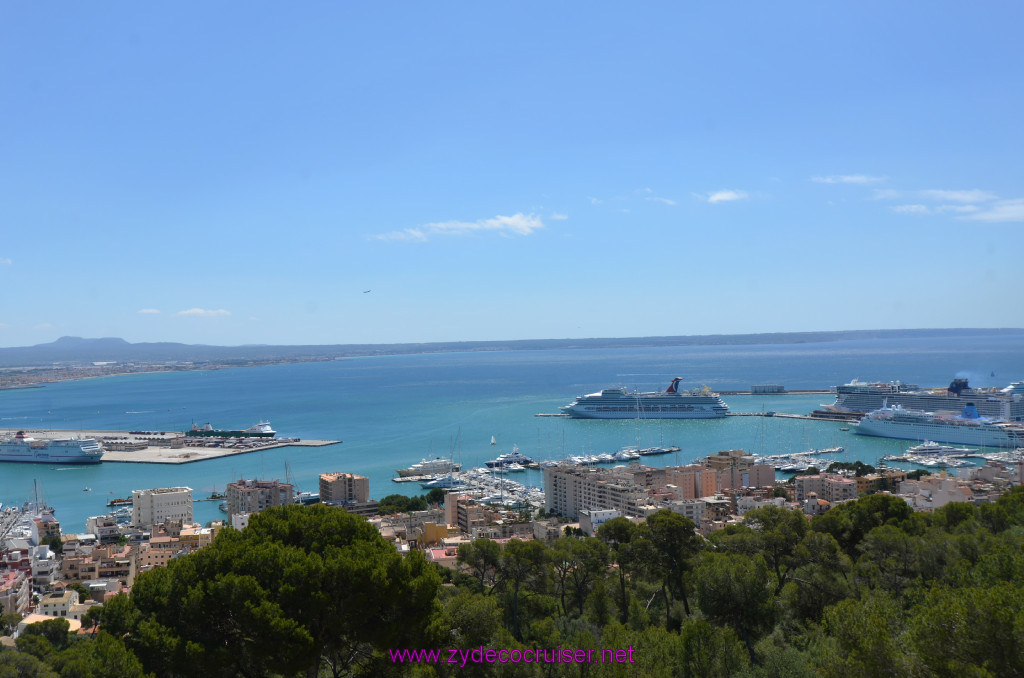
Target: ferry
{"points": [[673, 403], [258, 430], [22, 448], [967, 428]]}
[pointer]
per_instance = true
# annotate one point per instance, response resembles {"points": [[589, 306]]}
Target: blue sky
{"points": [[226, 174]]}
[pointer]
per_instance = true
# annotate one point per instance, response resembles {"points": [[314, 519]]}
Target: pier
{"points": [[169, 447]]}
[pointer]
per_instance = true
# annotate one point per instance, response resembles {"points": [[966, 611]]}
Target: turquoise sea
{"points": [[392, 411]]}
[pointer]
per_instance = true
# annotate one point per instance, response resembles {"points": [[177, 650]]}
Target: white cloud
{"points": [[203, 313], [149, 311], [911, 209], [595, 201], [1001, 211], [973, 195], [517, 224], [848, 179], [5, 261], [663, 201], [555, 216], [963, 209], [886, 194], [726, 196]]}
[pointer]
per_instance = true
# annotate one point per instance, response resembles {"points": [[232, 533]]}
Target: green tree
{"points": [[481, 559], [521, 564], [619, 533], [736, 590], [303, 588], [869, 632], [779, 531], [675, 542], [23, 665]]}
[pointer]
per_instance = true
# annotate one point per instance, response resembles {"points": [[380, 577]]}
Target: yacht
{"points": [[429, 467]]}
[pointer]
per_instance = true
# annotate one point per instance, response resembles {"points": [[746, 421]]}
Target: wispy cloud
{"points": [[971, 204], [149, 311], [43, 326], [649, 196], [595, 201], [4, 261], [203, 313], [555, 216], [1000, 211], [848, 179], [517, 224], [727, 195], [973, 195], [911, 209]]}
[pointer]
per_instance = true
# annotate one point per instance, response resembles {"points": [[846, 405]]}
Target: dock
{"points": [[170, 447]]}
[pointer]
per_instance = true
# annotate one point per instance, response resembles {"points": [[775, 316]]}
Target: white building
{"points": [[153, 507], [591, 519]]}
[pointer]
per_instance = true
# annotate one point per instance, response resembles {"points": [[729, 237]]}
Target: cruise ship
{"points": [[673, 403], [858, 396], [967, 428], [22, 448]]}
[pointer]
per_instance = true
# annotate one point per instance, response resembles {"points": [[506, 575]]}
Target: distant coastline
{"points": [[74, 358]]}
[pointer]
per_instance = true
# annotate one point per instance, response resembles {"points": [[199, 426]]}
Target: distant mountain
{"points": [[112, 349]]}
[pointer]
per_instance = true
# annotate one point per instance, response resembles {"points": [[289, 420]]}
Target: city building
{"points": [[828, 486], [692, 482], [344, 487], [252, 496], [15, 592], [152, 507], [592, 519], [57, 604], [570, 489]]}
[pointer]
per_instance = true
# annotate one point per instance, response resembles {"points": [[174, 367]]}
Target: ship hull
{"points": [[941, 433], [597, 412], [53, 452]]}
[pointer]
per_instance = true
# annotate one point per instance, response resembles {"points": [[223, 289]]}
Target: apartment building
{"points": [[152, 507]]}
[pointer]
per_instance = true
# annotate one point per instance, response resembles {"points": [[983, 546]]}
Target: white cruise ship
{"points": [[965, 429], [616, 403], [858, 396], [22, 448]]}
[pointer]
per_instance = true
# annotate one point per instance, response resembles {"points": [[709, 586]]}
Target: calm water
{"points": [[392, 411]]}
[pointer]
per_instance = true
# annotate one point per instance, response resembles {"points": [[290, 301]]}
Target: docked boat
{"points": [[673, 403], [22, 448], [429, 467], [967, 428], [259, 430], [513, 457], [858, 396], [928, 447]]}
